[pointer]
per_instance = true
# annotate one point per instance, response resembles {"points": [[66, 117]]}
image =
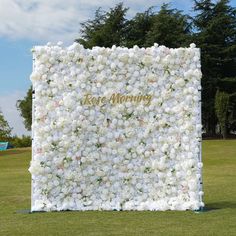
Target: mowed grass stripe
{"points": [[219, 179]]}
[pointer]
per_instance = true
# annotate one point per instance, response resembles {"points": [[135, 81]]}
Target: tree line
{"points": [[212, 28], [14, 140]]}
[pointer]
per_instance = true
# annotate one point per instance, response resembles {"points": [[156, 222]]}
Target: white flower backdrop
{"points": [[124, 156]]}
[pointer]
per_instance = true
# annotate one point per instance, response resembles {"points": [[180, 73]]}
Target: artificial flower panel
{"points": [[116, 128]]}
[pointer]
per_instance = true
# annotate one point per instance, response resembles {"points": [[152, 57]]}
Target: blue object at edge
{"points": [[3, 146]]}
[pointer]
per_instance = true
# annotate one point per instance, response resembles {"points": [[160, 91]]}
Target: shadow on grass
{"points": [[219, 206], [14, 151], [208, 207]]}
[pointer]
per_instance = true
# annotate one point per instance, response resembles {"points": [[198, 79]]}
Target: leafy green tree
{"points": [[90, 30], [138, 27], [25, 108], [5, 129], [106, 29], [170, 28], [221, 109], [216, 34]]}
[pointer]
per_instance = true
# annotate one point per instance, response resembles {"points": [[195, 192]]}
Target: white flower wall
{"points": [[116, 154]]}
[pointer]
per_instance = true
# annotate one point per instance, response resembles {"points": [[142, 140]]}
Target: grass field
{"points": [[219, 176]]}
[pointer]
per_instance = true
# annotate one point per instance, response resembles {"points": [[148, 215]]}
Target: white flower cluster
{"points": [[127, 156]]}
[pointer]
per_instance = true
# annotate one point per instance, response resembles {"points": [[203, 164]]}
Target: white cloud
{"points": [[55, 20], [8, 107]]}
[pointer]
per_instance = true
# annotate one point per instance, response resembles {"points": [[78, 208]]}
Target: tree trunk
{"points": [[224, 132], [210, 127]]}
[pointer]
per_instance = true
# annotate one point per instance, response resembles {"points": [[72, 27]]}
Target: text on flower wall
{"points": [[116, 98]]}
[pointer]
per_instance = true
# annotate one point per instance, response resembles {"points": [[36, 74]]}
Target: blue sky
{"points": [[25, 23]]}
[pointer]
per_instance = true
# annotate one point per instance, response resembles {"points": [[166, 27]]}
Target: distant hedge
{"points": [[24, 141]]}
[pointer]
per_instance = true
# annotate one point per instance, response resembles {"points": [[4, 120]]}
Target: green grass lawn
{"points": [[219, 178]]}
